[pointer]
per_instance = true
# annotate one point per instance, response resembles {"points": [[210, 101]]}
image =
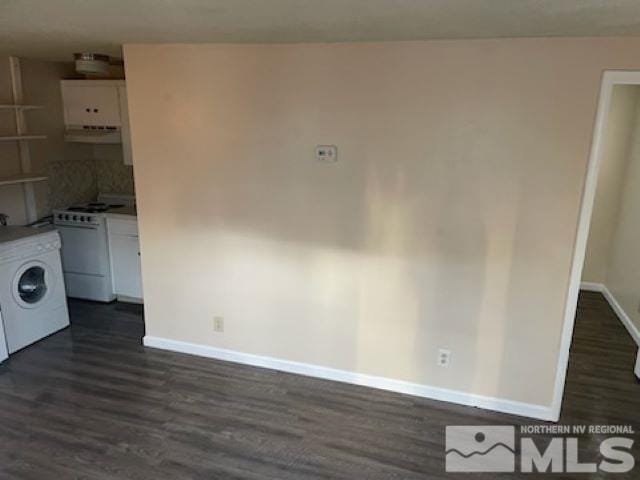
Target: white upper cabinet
{"points": [[95, 111], [91, 102]]}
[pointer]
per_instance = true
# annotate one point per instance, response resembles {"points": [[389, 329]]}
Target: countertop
{"points": [[128, 212], [12, 233]]}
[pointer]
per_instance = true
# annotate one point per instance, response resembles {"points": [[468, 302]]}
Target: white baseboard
{"points": [[127, 299], [592, 286], [624, 318], [490, 403], [617, 308]]}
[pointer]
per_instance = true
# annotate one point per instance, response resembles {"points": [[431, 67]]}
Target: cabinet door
{"points": [[91, 105], [125, 250]]}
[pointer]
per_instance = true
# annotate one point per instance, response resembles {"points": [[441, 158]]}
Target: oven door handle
{"points": [[86, 227]]}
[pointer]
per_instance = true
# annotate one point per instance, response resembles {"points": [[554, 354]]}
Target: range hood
{"points": [[91, 63], [91, 134]]}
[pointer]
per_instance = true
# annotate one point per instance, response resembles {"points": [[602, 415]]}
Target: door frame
{"points": [[610, 78]]}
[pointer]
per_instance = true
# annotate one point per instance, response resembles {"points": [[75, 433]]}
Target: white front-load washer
{"points": [[32, 294]]}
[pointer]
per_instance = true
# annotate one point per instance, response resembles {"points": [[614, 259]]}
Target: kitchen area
{"points": [[68, 219]]}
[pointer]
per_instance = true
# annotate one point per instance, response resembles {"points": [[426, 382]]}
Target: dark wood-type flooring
{"points": [[91, 403]]}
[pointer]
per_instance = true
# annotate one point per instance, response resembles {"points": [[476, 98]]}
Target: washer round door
{"points": [[32, 284]]}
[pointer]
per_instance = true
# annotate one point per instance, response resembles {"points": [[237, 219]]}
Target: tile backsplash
{"points": [[71, 182], [112, 175], [80, 180]]}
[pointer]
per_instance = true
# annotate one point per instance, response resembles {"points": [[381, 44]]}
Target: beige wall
{"points": [[623, 276], [615, 154], [449, 221]]}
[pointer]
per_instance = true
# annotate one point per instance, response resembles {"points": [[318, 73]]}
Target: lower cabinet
{"points": [[124, 249]]}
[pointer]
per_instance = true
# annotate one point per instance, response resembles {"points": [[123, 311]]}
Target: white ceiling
{"points": [[54, 29]]}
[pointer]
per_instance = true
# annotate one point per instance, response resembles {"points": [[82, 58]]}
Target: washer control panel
{"points": [[48, 246], [30, 247]]}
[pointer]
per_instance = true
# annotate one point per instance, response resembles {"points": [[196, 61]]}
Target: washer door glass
{"points": [[32, 286]]}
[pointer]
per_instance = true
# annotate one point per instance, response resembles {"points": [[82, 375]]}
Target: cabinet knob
{"points": [[87, 109], [95, 110]]}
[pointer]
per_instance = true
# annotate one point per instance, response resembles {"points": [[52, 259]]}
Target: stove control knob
{"points": [[75, 217], [82, 218], [66, 217], [89, 219]]}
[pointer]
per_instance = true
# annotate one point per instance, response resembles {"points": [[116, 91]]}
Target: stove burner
{"points": [[94, 207], [88, 209]]}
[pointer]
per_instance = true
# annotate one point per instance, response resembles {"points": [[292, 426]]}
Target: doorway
{"points": [[610, 81]]}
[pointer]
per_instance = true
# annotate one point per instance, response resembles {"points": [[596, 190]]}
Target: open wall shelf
{"points": [[22, 178], [19, 107], [18, 110], [22, 137]]}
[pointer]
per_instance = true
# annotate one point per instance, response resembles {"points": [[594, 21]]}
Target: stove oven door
{"points": [[85, 261], [83, 248]]}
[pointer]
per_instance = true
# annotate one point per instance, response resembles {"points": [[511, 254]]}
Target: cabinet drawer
{"points": [[119, 226]]}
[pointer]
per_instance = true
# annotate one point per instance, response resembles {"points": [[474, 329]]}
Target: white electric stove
{"points": [[85, 247]]}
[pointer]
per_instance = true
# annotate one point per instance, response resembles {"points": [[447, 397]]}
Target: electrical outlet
{"points": [[218, 324], [444, 357]]}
